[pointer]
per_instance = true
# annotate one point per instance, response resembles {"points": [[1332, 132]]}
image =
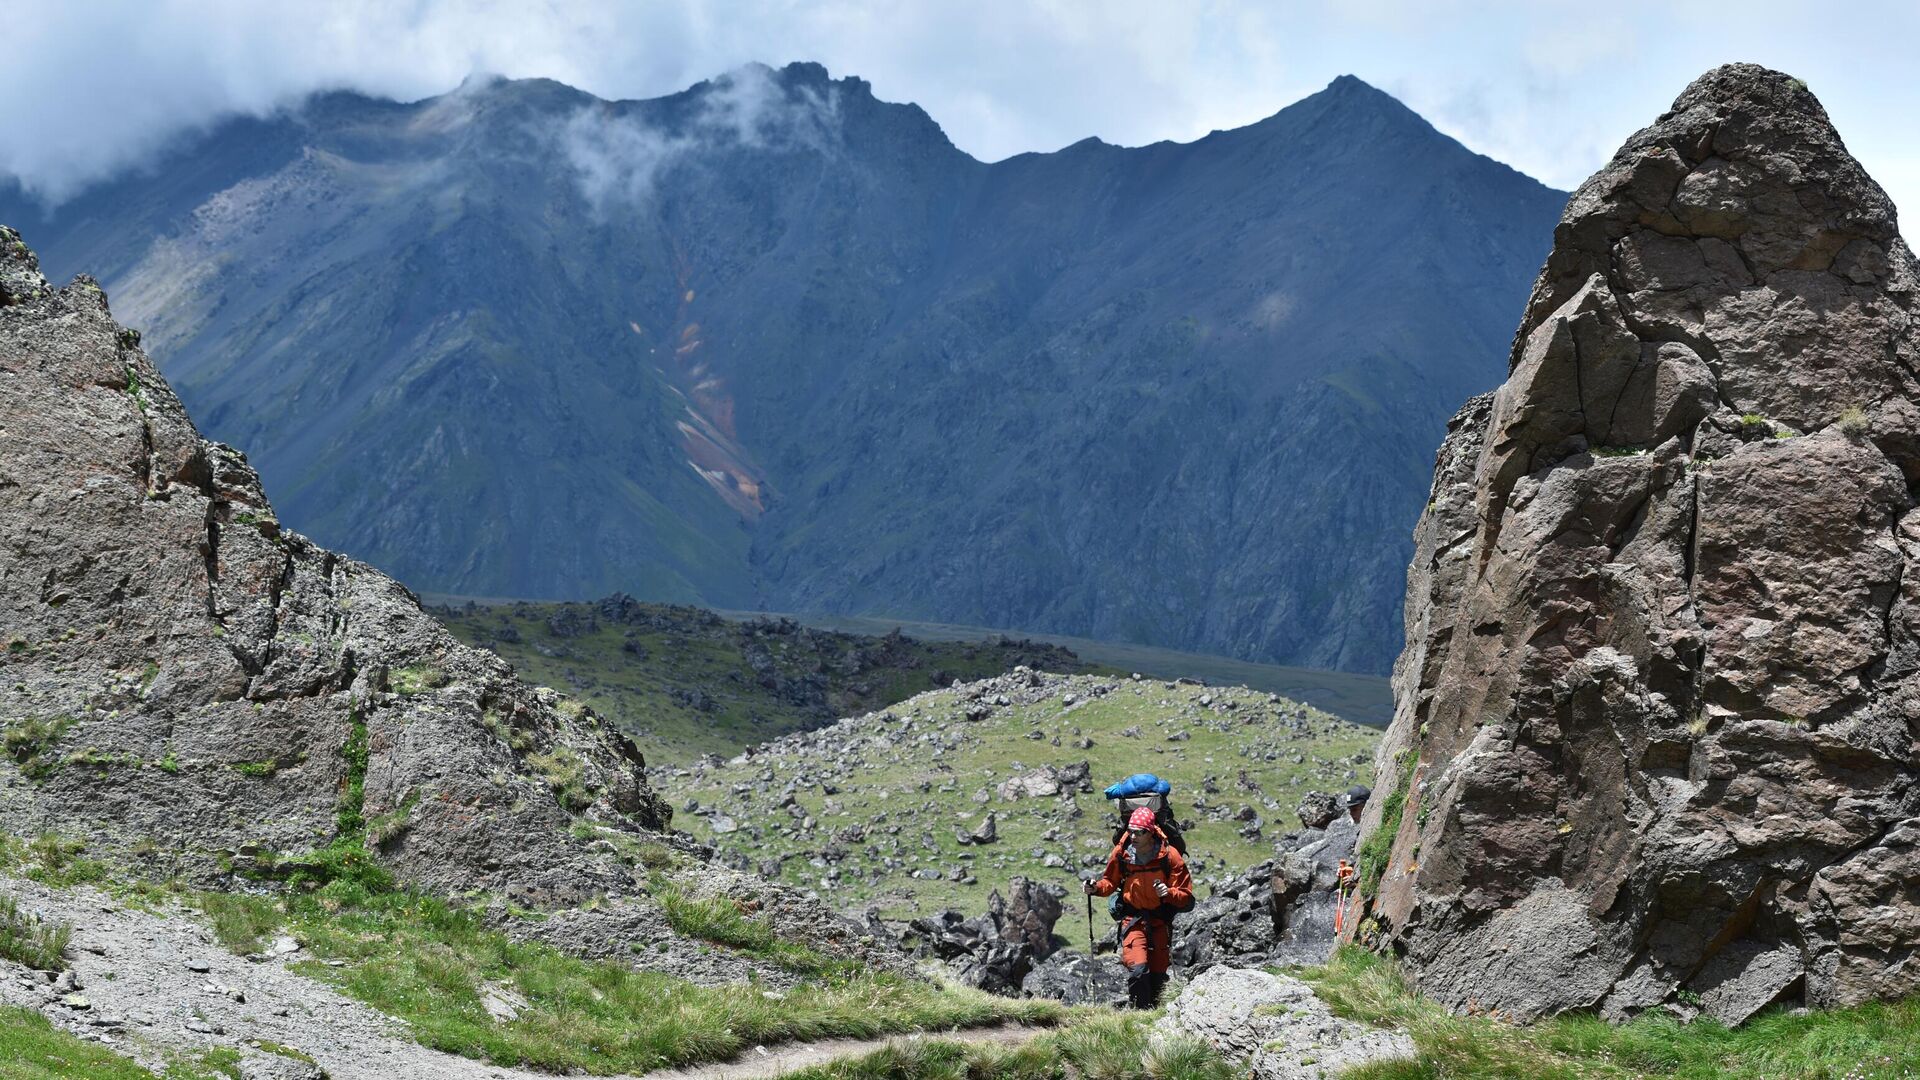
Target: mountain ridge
{"points": [[797, 351]]}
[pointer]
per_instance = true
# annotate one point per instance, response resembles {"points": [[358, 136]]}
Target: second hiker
{"points": [[1151, 879]]}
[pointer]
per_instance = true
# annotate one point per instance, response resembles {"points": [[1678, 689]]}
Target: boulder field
{"points": [[1654, 740]]}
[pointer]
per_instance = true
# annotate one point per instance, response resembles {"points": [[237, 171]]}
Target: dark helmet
{"points": [[1357, 795]]}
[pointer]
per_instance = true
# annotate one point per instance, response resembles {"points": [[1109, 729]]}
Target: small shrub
{"points": [[241, 922], [654, 856], [30, 744], [348, 818], [416, 679], [343, 870], [133, 390], [27, 939], [50, 860], [1374, 855], [566, 774], [1853, 422]]}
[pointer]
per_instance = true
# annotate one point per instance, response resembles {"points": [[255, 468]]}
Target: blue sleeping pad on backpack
{"points": [[1139, 784]]}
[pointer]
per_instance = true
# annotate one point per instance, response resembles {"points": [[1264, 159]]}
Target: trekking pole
{"points": [[1089, 897]]}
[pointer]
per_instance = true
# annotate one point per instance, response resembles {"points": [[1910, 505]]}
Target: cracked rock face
{"points": [[1656, 715], [182, 679]]}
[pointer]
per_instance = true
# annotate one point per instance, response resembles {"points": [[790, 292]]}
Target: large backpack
{"points": [[1163, 818]]}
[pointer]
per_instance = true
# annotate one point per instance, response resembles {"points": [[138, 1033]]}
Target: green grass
{"points": [[242, 922], [723, 922], [1112, 1047], [50, 860], [31, 1048], [27, 939], [431, 964], [1868, 1042], [681, 682], [884, 788], [1372, 858]]}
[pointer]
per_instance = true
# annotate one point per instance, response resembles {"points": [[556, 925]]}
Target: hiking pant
{"points": [[1145, 949]]}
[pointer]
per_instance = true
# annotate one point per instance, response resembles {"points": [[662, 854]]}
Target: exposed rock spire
{"points": [[1657, 711]]}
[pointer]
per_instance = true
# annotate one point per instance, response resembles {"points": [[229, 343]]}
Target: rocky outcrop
{"points": [[1276, 913], [997, 950], [1275, 1027], [188, 683], [1655, 731]]}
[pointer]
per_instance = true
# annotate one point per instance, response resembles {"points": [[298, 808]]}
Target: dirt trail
{"points": [[149, 984], [763, 1063]]}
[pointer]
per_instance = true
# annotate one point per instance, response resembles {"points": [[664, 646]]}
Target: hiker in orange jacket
{"points": [[1153, 883]]}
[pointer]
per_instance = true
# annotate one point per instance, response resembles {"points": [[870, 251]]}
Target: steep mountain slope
{"points": [[773, 342], [1655, 734]]}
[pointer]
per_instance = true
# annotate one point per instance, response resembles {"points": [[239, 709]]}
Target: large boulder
{"points": [[1275, 1026], [1654, 738], [188, 682]]}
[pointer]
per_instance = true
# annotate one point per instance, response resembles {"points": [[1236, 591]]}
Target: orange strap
{"points": [[1341, 893]]}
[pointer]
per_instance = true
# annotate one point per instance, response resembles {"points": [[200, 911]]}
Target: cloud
{"points": [[617, 155], [101, 86]]}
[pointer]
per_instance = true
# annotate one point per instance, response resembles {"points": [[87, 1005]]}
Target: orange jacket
{"points": [[1135, 883]]}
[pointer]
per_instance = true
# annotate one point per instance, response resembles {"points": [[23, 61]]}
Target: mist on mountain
{"points": [[774, 342]]}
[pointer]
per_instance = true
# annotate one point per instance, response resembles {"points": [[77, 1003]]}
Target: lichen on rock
{"points": [[1656, 714]]}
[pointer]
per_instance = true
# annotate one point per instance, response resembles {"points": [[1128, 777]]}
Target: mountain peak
{"points": [[1350, 93]]}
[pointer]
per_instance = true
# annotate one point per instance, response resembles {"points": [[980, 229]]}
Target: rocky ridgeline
{"points": [[1655, 733], [190, 688], [683, 681], [928, 805]]}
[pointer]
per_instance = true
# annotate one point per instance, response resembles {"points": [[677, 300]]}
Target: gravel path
{"points": [[149, 983], [762, 1063]]}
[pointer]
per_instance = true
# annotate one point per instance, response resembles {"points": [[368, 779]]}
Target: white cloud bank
{"points": [[1550, 88]]}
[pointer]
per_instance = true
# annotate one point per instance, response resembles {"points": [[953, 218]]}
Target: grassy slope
{"points": [[1869, 1042], [879, 786], [431, 964], [33, 1049], [696, 652]]}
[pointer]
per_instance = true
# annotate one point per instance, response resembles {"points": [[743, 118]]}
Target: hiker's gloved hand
{"points": [[1088, 885], [1160, 889]]}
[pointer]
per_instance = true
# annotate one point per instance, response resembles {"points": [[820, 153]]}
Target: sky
{"points": [[1550, 88]]}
